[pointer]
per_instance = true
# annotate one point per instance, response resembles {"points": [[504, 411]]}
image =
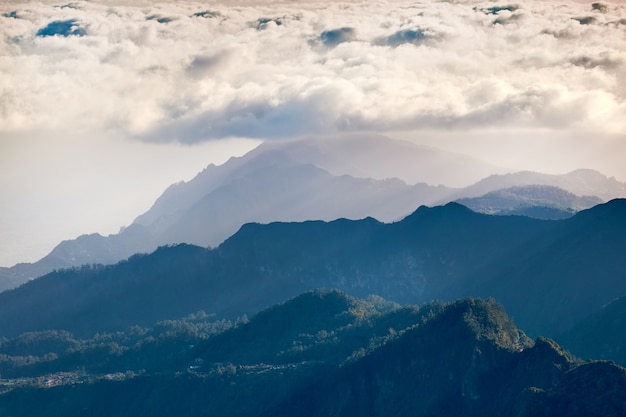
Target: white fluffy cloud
{"points": [[189, 72]]}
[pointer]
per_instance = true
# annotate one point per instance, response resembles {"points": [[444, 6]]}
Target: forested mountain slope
{"points": [[324, 353]]}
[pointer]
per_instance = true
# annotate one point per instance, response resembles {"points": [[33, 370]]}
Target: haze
{"points": [[103, 105]]}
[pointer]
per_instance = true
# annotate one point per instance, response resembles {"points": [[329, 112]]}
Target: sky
{"points": [[103, 104]]}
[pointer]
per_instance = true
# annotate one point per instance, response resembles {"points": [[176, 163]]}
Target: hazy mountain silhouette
{"points": [[582, 182], [379, 157], [313, 179], [539, 201], [286, 181], [325, 353], [322, 179]]}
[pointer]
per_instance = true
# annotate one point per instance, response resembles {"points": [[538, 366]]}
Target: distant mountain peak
{"points": [[452, 209], [540, 201], [381, 157], [582, 182]]}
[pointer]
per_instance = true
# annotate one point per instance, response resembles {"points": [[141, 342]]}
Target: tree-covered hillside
{"points": [[321, 353]]}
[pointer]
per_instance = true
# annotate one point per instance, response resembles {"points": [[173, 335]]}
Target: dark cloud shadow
{"points": [[502, 20], [11, 15], [160, 19], [334, 37], [262, 22], [202, 65], [497, 9], [599, 7], [257, 119], [70, 6], [560, 34], [587, 20], [207, 14], [589, 62], [411, 36], [62, 28]]}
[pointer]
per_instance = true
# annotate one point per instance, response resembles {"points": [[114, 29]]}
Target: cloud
{"points": [[602, 8], [505, 14], [511, 18], [179, 72], [593, 62]]}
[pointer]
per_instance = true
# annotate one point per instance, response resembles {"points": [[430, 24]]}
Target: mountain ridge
{"points": [[540, 201], [581, 182], [296, 181], [538, 269]]}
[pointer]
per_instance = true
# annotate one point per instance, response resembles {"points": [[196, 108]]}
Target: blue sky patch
{"points": [[62, 28]]}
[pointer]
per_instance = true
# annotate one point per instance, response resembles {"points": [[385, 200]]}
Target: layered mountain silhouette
{"points": [[324, 353], [321, 179], [539, 201], [582, 182], [549, 275]]}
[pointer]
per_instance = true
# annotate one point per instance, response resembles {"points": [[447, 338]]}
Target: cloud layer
{"points": [[190, 72]]}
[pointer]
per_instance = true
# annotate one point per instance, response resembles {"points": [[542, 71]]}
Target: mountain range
{"points": [[321, 179], [549, 275], [539, 201], [321, 353]]}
